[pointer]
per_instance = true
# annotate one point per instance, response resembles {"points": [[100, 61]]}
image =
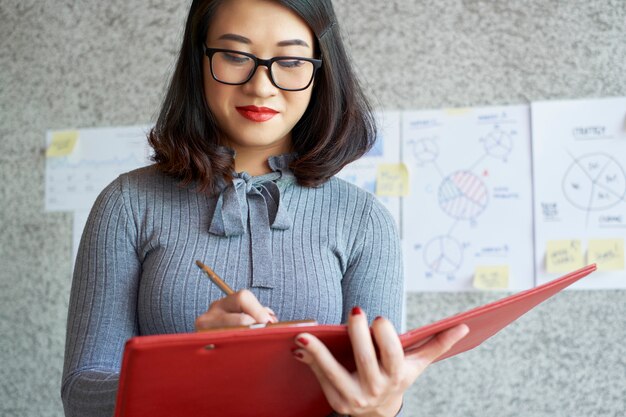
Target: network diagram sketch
{"points": [[580, 179], [470, 200]]}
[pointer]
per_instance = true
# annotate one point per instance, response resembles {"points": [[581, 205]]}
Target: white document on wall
{"points": [[80, 163], [579, 150], [467, 221], [386, 151]]}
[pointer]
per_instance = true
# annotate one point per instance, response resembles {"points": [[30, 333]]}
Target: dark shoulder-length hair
{"points": [[337, 127]]}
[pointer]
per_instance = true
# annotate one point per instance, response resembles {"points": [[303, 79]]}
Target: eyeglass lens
{"points": [[234, 68]]}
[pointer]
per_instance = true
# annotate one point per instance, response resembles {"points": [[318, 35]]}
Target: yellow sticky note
{"points": [[564, 255], [62, 143], [607, 254], [491, 277], [392, 180], [457, 111]]}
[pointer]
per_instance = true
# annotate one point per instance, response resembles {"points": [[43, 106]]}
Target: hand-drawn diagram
{"points": [[459, 218], [498, 144], [579, 163], [463, 195], [595, 181], [425, 150], [443, 255]]}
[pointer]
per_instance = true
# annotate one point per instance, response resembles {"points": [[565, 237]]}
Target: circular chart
{"points": [[443, 255], [594, 182], [463, 195], [498, 144], [425, 150]]}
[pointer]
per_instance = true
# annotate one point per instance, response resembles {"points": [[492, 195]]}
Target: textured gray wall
{"points": [[102, 63]]}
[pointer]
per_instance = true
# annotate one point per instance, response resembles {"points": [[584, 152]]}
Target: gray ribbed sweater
{"points": [[304, 252]]}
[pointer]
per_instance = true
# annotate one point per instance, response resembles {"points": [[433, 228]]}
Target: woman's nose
{"points": [[260, 84]]}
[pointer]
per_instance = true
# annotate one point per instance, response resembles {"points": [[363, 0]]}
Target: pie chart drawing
{"points": [[425, 150], [594, 182], [443, 255], [498, 144], [463, 196]]}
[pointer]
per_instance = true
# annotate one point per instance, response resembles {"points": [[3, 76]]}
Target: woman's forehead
{"points": [[258, 21]]}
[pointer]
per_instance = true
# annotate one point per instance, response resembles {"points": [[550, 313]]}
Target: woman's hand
{"points": [[377, 386], [239, 309]]}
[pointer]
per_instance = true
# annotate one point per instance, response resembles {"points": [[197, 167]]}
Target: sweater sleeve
{"points": [[374, 278], [102, 311]]}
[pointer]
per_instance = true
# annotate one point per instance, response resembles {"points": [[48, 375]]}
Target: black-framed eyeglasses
{"points": [[289, 73]]}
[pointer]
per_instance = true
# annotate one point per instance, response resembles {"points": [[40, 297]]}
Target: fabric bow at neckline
{"points": [[255, 202]]}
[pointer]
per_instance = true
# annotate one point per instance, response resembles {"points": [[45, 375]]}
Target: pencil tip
{"points": [[199, 263]]}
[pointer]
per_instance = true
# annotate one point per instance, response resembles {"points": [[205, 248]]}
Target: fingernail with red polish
{"points": [[356, 310], [298, 355], [378, 318], [302, 341]]}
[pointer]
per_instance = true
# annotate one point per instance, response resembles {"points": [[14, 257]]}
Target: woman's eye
{"points": [[236, 59], [291, 63]]}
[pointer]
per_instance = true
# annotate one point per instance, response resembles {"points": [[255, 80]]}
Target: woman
{"points": [[246, 146]]}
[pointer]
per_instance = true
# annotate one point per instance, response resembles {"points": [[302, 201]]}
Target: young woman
{"points": [[263, 109]]}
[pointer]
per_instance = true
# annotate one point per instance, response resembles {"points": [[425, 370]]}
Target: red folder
{"points": [[252, 372]]}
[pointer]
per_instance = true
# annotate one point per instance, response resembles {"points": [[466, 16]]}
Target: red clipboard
{"points": [[252, 372]]}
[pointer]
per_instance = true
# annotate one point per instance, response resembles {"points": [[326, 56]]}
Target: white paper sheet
{"points": [[74, 181], [579, 151], [470, 202]]}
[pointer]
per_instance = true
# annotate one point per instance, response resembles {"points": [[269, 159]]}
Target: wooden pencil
{"points": [[216, 279]]}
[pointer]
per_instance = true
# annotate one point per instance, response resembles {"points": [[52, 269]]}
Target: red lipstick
{"points": [[257, 114]]}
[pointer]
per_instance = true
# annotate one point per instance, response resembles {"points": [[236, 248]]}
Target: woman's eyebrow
{"points": [[298, 42], [233, 37], [243, 39]]}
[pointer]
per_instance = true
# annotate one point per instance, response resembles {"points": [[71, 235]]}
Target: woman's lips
{"points": [[257, 114]]}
